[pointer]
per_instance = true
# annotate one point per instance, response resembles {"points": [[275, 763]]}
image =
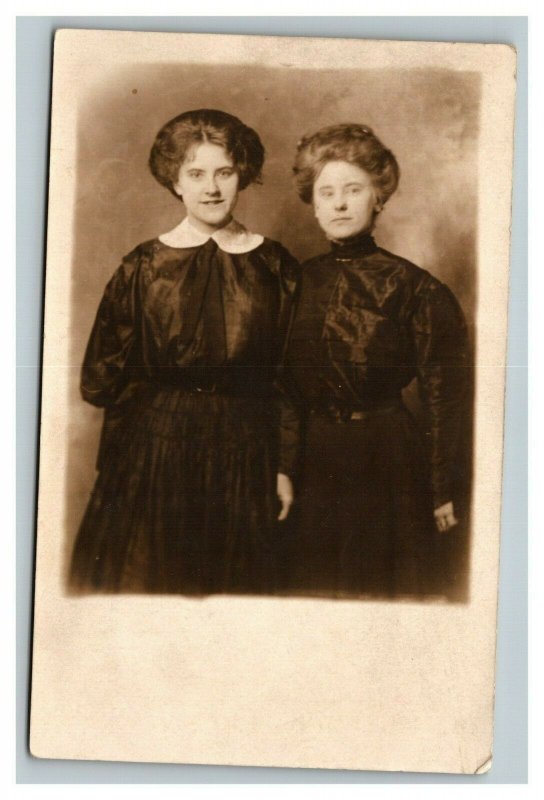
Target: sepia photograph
{"points": [[273, 377], [285, 374]]}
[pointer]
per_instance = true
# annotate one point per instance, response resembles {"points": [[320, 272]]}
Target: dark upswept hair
{"points": [[177, 136], [349, 142]]}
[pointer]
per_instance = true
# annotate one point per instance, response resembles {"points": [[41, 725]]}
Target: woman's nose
{"points": [[340, 203], [212, 186]]}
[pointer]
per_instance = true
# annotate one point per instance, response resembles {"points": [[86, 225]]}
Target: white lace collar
{"points": [[233, 238]]}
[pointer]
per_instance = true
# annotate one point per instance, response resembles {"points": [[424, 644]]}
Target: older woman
{"points": [[196, 448], [374, 493]]}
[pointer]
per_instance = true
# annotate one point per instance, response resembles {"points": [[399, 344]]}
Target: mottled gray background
{"points": [[429, 118], [34, 48]]}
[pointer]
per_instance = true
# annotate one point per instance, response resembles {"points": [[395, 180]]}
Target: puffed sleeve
{"points": [[110, 374], [289, 416], [103, 375], [288, 270], [441, 348]]}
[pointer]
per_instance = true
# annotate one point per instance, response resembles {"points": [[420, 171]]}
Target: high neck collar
{"points": [[233, 238], [360, 245]]}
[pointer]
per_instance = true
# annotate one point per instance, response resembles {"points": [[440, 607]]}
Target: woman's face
{"points": [[344, 200], [208, 185]]}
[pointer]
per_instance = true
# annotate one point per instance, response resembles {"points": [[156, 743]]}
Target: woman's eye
{"points": [[355, 189], [226, 173], [195, 173]]}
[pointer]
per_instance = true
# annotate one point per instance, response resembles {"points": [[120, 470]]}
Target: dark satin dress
{"points": [[183, 357], [367, 324]]}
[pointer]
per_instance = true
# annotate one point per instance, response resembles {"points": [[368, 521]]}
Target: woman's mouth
{"points": [[212, 202]]}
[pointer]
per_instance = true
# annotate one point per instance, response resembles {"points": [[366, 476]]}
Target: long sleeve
{"points": [[103, 375], [107, 380], [289, 433], [289, 415], [441, 348]]}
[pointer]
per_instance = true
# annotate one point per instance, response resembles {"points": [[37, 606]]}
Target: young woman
{"points": [[197, 448], [374, 494]]}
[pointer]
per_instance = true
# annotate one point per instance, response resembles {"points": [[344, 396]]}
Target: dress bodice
{"points": [[169, 310], [368, 322]]}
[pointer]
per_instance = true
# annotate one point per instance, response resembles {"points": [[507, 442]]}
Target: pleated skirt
{"points": [[185, 501]]}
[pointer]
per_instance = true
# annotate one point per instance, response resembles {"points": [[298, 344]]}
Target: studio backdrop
{"points": [[428, 117]]}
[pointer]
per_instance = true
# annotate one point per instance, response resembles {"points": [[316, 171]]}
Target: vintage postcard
{"points": [[273, 395]]}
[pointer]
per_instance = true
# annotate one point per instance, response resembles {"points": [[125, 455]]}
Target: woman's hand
{"points": [[284, 489], [445, 517]]}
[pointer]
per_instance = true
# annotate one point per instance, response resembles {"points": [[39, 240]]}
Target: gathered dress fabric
{"points": [[368, 323], [183, 357]]}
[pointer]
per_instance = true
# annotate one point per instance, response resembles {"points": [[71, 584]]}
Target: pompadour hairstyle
{"points": [[177, 136], [349, 142]]}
